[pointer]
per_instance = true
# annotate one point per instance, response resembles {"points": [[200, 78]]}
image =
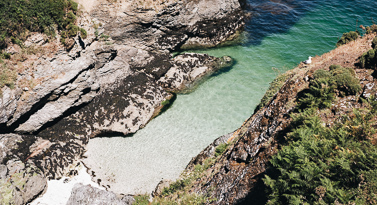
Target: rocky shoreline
{"points": [[113, 82]]}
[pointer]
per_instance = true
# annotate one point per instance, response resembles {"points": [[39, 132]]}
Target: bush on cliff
{"points": [[327, 165], [369, 59], [325, 84], [18, 17], [347, 37]]}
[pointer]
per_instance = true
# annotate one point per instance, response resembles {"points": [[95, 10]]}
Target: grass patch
{"points": [[369, 58], [221, 149], [179, 191], [141, 199], [7, 77], [275, 86]]}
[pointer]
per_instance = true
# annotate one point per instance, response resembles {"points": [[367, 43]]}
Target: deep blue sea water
{"points": [[279, 35]]}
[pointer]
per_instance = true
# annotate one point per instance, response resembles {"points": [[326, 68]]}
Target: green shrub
{"points": [[5, 55], [346, 82], [321, 165], [141, 199], [321, 91], [104, 37], [176, 186], [347, 37], [325, 84], [72, 30], [83, 33], [371, 29], [165, 102], [374, 43], [73, 5], [20, 16], [369, 59], [220, 149]]}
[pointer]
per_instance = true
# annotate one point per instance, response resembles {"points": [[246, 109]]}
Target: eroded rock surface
{"points": [[86, 194], [20, 180], [113, 81], [190, 69]]}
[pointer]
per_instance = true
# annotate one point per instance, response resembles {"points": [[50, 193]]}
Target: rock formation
{"points": [[113, 81]]}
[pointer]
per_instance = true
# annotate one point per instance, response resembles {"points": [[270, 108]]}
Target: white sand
{"points": [[59, 192]]}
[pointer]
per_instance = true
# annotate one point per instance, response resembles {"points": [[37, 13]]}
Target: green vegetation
{"points": [[369, 58], [141, 199], [326, 165], [347, 37], [7, 77], [178, 192], [275, 86], [165, 102], [325, 84], [371, 29], [221, 149], [19, 17]]}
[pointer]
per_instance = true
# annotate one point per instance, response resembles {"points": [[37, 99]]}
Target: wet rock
{"points": [[190, 69], [86, 194]]}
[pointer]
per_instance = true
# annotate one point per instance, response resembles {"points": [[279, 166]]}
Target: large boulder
{"points": [[20, 181], [86, 194]]}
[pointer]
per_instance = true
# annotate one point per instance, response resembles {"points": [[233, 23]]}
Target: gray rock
{"points": [[190, 69], [128, 199], [21, 183], [104, 86], [160, 187], [86, 194], [8, 142], [3, 171]]}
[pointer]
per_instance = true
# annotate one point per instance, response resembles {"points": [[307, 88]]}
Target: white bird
{"points": [[309, 61]]}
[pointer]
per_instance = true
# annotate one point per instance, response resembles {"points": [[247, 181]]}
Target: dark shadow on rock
{"points": [[257, 195], [269, 17], [111, 134]]}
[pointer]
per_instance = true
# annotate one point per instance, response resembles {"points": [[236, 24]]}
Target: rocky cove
{"points": [[230, 175], [112, 82]]}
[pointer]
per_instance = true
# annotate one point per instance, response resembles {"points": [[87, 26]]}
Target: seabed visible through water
{"points": [[280, 35]]}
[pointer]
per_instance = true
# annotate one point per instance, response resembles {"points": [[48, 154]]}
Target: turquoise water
{"points": [[279, 35]]}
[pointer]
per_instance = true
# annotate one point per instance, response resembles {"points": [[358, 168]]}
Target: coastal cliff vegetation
{"points": [[20, 18], [319, 164], [327, 151]]}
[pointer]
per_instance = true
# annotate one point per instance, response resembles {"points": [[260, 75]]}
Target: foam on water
{"points": [[220, 105]]}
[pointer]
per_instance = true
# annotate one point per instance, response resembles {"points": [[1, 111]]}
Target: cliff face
{"points": [[113, 81], [234, 177]]}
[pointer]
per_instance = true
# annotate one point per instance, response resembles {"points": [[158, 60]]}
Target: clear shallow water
{"points": [[280, 35]]}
